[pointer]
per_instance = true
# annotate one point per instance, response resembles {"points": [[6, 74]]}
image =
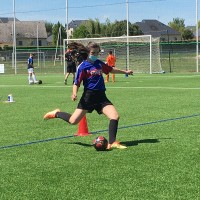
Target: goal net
{"points": [[138, 53]]}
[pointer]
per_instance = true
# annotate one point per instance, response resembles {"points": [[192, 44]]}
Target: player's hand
{"points": [[129, 72], [74, 97]]}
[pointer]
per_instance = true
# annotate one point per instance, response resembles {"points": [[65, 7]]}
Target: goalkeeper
{"points": [[94, 97], [110, 61]]}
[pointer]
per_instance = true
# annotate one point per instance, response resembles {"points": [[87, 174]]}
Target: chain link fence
{"points": [[175, 58]]}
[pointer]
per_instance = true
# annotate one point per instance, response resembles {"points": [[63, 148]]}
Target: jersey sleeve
{"points": [[106, 69], [80, 74]]}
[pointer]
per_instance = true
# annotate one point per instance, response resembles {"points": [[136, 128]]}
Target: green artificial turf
{"points": [[159, 123]]}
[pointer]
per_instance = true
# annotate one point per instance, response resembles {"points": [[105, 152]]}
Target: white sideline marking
{"points": [[109, 87], [169, 88]]}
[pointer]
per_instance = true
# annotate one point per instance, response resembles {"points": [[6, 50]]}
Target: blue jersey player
{"points": [[89, 73], [31, 73]]}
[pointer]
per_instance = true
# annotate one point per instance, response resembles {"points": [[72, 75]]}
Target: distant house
{"points": [[195, 34], [50, 40], [7, 19], [158, 29], [28, 33], [73, 25], [192, 28]]}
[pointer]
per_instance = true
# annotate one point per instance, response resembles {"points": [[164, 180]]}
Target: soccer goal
{"points": [[22, 59], [138, 53]]}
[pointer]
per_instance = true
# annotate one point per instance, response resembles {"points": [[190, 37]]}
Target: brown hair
{"points": [[93, 45], [80, 49]]}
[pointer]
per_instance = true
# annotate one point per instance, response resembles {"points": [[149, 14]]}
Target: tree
{"points": [[106, 29], [55, 32], [98, 27], [120, 28], [49, 27], [81, 32], [134, 29], [93, 28], [187, 34], [177, 24]]}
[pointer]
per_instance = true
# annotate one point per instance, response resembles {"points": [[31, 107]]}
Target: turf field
{"points": [[159, 123]]}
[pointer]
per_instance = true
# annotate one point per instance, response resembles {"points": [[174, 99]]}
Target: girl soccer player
{"points": [[94, 97]]}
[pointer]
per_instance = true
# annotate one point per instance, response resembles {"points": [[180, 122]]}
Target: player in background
{"points": [[110, 61], [31, 73], [71, 65], [90, 72]]}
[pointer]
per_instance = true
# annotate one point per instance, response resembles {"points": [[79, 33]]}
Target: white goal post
{"points": [[138, 53]]}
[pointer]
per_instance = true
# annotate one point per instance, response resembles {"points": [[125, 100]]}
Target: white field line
{"points": [[108, 87]]}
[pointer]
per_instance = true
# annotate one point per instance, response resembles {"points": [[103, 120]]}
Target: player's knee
{"points": [[115, 117], [73, 121]]}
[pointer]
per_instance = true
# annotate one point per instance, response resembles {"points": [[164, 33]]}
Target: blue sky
{"points": [[55, 10]]}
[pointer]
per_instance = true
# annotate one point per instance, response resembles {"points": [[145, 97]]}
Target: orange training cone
{"points": [[83, 127]]}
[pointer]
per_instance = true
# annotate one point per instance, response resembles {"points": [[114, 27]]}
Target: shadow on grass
{"points": [[136, 142], [81, 144], [127, 143]]}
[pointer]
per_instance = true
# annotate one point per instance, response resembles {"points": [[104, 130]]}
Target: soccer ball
{"points": [[40, 82], [100, 143]]}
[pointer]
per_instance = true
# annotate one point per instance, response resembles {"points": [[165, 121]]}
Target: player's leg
{"points": [[66, 77], [73, 77], [113, 78], [34, 77], [75, 118], [107, 78], [30, 78], [30, 73], [113, 116], [68, 73]]}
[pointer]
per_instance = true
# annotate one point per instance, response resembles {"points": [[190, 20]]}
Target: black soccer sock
{"points": [[63, 115], [113, 125]]}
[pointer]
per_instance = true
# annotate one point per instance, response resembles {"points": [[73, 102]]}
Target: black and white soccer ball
{"points": [[100, 143]]}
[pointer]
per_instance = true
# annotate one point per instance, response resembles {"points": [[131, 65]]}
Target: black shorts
{"points": [[93, 100], [71, 67]]}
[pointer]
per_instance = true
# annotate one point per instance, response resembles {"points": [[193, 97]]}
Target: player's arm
{"points": [[119, 71], [74, 92], [31, 63], [77, 83], [107, 69]]}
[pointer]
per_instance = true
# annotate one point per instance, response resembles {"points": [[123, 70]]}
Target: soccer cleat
{"points": [[116, 145], [52, 114], [65, 82], [31, 82]]}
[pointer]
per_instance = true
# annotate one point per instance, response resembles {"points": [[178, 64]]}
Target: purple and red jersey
{"points": [[92, 75]]}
